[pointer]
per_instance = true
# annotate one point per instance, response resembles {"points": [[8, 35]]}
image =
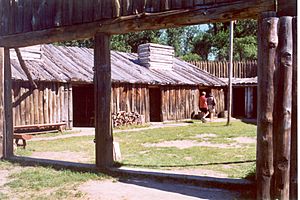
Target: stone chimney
{"points": [[156, 56]]}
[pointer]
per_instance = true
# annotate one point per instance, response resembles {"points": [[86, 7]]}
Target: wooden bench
{"points": [[25, 132], [22, 137], [40, 128]]}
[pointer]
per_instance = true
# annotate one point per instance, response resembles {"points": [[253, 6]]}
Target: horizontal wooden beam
{"points": [[146, 21]]}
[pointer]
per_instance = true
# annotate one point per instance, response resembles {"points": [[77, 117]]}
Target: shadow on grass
{"points": [[250, 121], [187, 165], [131, 177]]}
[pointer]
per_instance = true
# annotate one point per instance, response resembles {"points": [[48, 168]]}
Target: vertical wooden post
{"points": [[102, 85], [267, 45], [1, 100], [294, 137], [283, 107], [70, 107], [229, 95], [8, 121]]}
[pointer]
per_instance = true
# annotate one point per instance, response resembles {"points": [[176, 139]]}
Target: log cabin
{"points": [[26, 23], [152, 83]]}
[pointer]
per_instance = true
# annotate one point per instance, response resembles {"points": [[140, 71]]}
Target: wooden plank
{"points": [[8, 118], [138, 7], [116, 8], [31, 98], [4, 18], [27, 16], [2, 117], [214, 13], [37, 14], [41, 104], [50, 103], [62, 103], [133, 102], [287, 7], [147, 105], [167, 103], [198, 2], [57, 15], [294, 136], [58, 102], [67, 12], [12, 16], [77, 12], [54, 103], [107, 9], [46, 104], [70, 106], [36, 106], [27, 105], [97, 10], [102, 84], [87, 11], [176, 4], [66, 105], [22, 105], [283, 106]]}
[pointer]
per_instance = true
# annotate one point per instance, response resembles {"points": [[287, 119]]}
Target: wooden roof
{"points": [[74, 64], [27, 22], [242, 81]]}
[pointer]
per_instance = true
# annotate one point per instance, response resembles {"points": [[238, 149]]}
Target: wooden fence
{"points": [[241, 69]]}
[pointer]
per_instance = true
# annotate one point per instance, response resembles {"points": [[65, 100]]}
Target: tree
{"points": [[215, 41]]}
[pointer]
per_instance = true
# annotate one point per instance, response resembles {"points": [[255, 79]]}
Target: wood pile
{"points": [[123, 118]]}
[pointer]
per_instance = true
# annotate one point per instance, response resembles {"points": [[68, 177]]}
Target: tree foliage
{"points": [[215, 41], [191, 42]]}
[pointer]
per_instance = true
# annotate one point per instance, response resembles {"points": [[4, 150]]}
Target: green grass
{"points": [[235, 162], [48, 183], [53, 134]]}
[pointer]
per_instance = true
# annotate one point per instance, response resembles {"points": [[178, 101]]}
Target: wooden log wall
{"points": [[49, 103], [219, 96], [20, 16], [275, 118], [178, 102], [131, 98], [241, 69]]}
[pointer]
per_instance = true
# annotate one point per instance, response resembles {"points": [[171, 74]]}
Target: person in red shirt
{"points": [[203, 106]]}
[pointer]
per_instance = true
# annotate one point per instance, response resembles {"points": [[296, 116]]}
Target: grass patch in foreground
{"points": [[47, 183], [136, 153]]}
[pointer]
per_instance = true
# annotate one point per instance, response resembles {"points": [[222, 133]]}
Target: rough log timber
{"points": [[102, 86], [8, 118], [268, 43], [219, 12], [1, 100], [283, 108], [294, 136]]}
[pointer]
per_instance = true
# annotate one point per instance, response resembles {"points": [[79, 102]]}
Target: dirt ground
{"points": [[146, 189]]}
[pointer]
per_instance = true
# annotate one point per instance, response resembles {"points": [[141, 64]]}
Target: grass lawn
{"points": [[210, 146], [42, 183]]}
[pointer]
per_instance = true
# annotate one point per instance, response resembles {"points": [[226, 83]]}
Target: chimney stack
{"points": [[156, 56]]}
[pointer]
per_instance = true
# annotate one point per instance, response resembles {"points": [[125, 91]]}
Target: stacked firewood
{"points": [[123, 118]]}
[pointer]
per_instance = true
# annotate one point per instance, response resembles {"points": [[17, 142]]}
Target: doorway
{"points": [[83, 105], [238, 102], [155, 104]]}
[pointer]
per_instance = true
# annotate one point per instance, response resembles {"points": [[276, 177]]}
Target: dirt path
{"points": [[91, 131], [145, 189]]}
